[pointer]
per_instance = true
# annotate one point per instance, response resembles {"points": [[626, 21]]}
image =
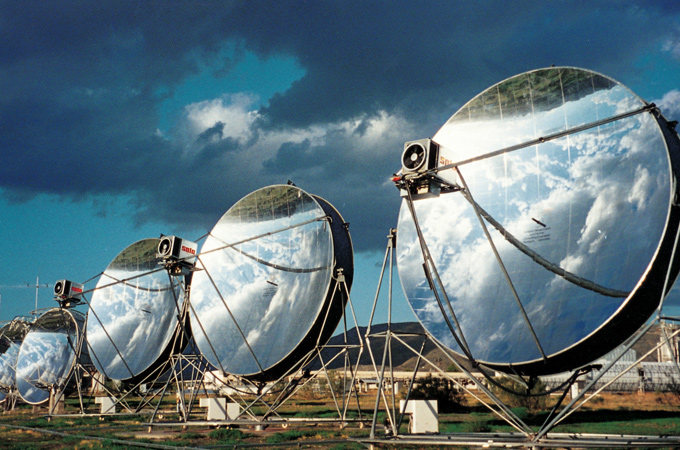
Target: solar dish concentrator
{"points": [[136, 319], [264, 294], [48, 354], [11, 336], [552, 237]]}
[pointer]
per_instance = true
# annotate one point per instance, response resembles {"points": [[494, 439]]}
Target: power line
{"points": [[37, 286]]}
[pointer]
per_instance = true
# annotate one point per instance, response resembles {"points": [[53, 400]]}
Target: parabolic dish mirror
{"points": [[264, 293], [47, 354], [573, 177], [11, 336], [132, 322]]}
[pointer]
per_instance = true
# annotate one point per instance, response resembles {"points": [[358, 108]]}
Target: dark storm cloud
{"points": [[211, 134], [294, 157], [83, 83], [424, 60]]}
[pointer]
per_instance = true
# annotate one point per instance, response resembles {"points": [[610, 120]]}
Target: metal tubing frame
{"points": [[503, 411], [272, 407], [526, 437]]}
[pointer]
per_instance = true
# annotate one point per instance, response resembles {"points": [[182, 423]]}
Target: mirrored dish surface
{"points": [[11, 336], [262, 296], [132, 325], [47, 354], [582, 223]]}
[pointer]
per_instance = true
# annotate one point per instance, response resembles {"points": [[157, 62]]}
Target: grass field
{"points": [[639, 414]]}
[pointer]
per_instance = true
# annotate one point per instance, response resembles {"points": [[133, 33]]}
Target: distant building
{"points": [[626, 376]]}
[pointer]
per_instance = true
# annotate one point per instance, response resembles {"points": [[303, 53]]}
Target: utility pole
{"points": [[37, 286]]}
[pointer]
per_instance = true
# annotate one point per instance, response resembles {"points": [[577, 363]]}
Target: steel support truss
{"points": [[524, 436], [259, 403]]}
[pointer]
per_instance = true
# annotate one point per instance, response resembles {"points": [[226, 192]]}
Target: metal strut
{"points": [[502, 266], [651, 107], [393, 419], [431, 269]]}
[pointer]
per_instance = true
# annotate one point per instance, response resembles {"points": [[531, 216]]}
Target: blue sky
{"points": [[124, 120]]}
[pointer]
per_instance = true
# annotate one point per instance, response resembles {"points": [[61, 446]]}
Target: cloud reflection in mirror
{"points": [[273, 284]]}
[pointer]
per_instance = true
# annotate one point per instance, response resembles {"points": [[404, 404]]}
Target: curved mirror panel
{"points": [[11, 336], [263, 279], [132, 320], [577, 221], [47, 354]]}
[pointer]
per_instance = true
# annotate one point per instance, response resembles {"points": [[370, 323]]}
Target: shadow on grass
{"points": [[603, 419]]}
